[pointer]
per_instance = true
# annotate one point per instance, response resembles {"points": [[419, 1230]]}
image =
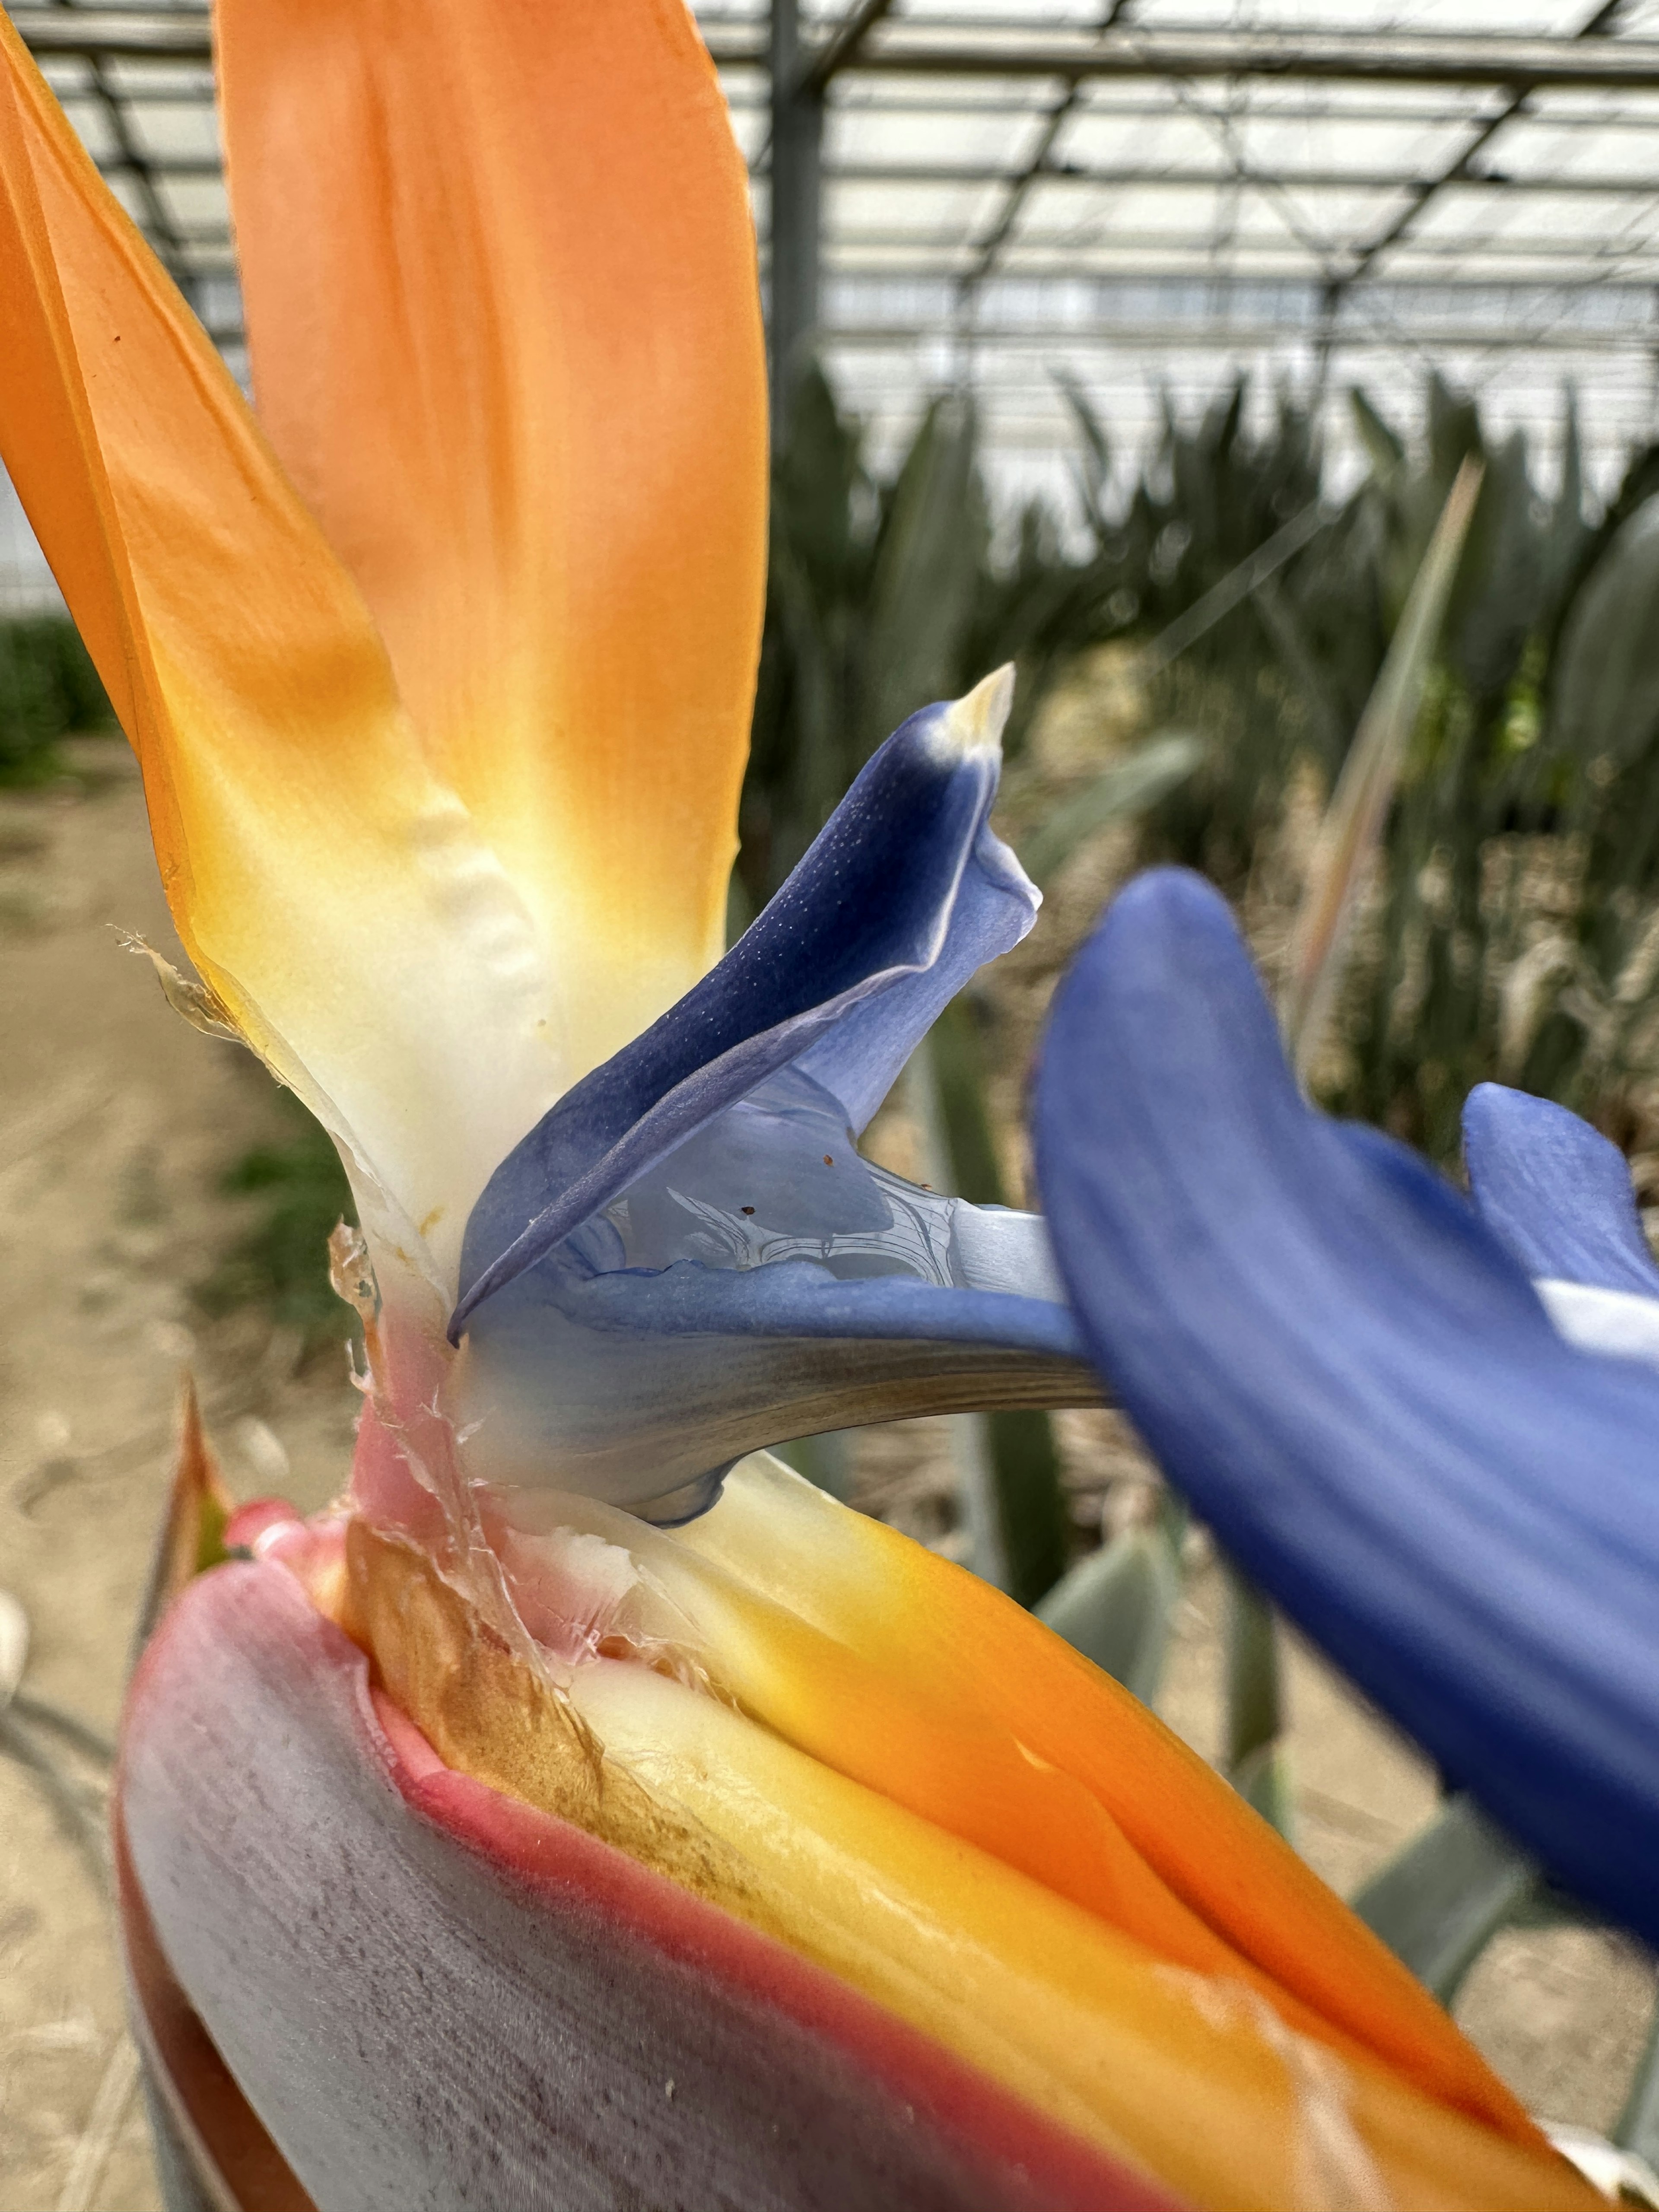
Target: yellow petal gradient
{"points": [[832, 1810], [923, 1625], [332, 890], [502, 307]]}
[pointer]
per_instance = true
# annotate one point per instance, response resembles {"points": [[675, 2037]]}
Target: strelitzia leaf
{"points": [[1265, 1782], [1385, 448], [1117, 1607], [1232, 591], [1440, 1900], [1026, 1503], [1258, 1763], [1605, 690], [1254, 1706], [927, 567], [1359, 806], [1119, 792]]}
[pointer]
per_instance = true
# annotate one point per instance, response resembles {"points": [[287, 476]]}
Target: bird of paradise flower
{"points": [[480, 1841]]}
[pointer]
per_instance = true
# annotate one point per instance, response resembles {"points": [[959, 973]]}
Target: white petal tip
{"points": [[976, 723]]}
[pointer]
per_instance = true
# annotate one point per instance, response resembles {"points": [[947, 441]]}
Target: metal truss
{"points": [[1311, 197]]}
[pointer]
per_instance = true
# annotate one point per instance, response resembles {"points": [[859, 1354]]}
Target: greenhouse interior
{"points": [[1175, 1558]]}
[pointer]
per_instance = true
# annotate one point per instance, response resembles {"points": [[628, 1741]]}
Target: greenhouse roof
{"points": [[1144, 195]]}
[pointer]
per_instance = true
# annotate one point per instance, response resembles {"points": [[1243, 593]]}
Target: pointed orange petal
{"points": [[501, 301], [1190, 2076], [942, 1639], [328, 888]]}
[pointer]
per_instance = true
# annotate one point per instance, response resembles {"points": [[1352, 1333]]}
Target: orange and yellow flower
{"points": [[482, 1842]]}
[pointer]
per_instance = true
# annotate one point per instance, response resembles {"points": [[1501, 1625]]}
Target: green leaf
{"points": [[1637, 2128], [1384, 446], [1030, 1500], [1029, 1531], [1605, 690], [1439, 1902], [935, 540], [1256, 1761], [1354, 823], [824, 1459], [1097, 457], [1117, 1607], [1264, 1781], [958, 1070], [1254, 1703], [299, 1191], [1119, 792]]}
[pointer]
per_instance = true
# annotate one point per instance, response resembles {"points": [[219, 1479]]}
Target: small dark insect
{"points": [[827, 1162], [747, 1209]]}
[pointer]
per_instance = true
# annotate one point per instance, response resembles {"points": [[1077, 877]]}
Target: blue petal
{"points": [[902, 895], [1351, 1380], [644, 1385], [1555, 1192]]}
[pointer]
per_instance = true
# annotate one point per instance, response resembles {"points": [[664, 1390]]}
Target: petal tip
{"points": [[974, 723]]}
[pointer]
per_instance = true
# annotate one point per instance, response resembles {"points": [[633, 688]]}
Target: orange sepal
{"points": [[504, 320], [1193, 2077], [936, 1634], [330, 890]]}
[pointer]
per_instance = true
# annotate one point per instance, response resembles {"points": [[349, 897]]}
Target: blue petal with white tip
{"points": [[1352, 1379], [1555, 1192], [687, 1259], [1557, 1196], [902, 895]]}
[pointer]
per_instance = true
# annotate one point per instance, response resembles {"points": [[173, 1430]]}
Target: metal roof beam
{"points": [[116, 34], [992, 240], [1179, 334], [841, 50], [1599, 25], [1185, 260], [1135, 175], [1400, 58], [888, 48]]}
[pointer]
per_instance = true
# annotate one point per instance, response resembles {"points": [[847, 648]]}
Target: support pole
{"points": [[795, 226]]}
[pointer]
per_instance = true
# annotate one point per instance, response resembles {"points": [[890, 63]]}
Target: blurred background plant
{"points": [[49, 690], [1509, 930], [298, 1191]]}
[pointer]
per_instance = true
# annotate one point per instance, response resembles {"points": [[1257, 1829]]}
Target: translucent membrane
{"points": [[776, 1178]]}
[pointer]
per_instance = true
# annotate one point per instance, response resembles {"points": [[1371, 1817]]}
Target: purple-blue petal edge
{"points": [[902, 895], [1555, 1193], [1341, 1365]]}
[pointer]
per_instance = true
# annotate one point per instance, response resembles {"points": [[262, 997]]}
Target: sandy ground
{"points": [[116, 1123]]}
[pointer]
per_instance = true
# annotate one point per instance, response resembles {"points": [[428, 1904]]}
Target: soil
{"points": [[117, 1124]]}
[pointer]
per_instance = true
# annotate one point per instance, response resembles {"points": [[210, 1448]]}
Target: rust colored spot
{"points": [[747, 1209], [827, 1162]]}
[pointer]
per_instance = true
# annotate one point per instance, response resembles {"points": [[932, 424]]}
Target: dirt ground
{"points": [[115, 1124]]}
